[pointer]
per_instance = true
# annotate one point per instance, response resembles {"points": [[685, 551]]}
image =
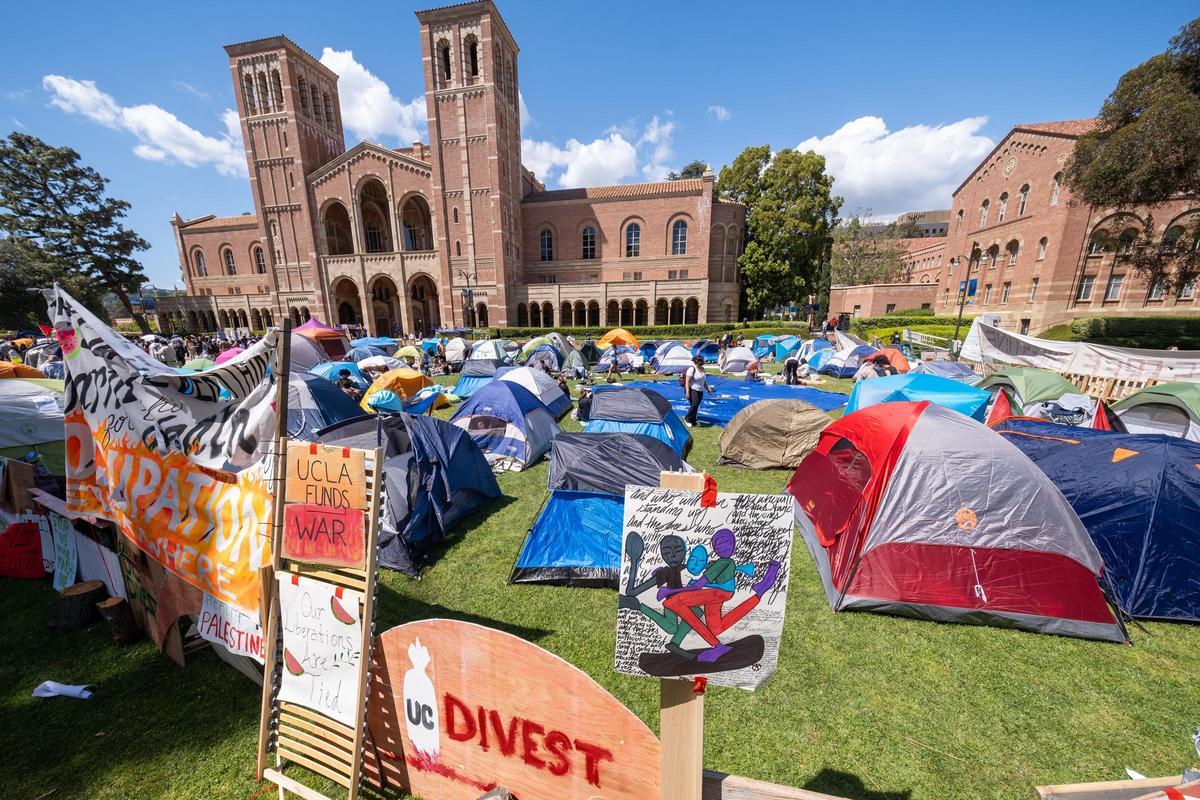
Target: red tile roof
{"points": [[1066, 127], [620, 191]]}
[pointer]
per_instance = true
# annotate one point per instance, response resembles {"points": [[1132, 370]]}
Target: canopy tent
{"points": [[606, 462], [636, 410], [737, 360], [1028, 385], [492, 349], [33, 412], [917, 510], [845, 362], [591, 354], [306, 353], [330, 371], [674, 361], [648, 349], [404, 382], [357, 354], [771, 434], [627, 359], [786, 345], [10, 370], [456, 350], [314, 403], [228, 354], [1139, 497], [708, 350], [510, 425], [433, 476], [476, 372], [540, 385], [764, 345], [729, 396], [810, 347], [916, 387], [896, 359], [1168, 408], [544, 358], [332, 341], [617, 336], [386, 343], [944, 368]]}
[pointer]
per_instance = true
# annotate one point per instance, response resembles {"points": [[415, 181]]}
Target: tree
{"points": [[24, 267], [859, 258], [791, 215], [695, 169], [50, 200]]}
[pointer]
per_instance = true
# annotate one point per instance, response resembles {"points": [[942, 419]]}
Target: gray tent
{"points": [[606, 462], [772, 433]]}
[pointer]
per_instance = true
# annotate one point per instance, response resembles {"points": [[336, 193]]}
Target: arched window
{"points": [[546, 243], [201, 269], [588, 241], [230, 266], [679, 238], [248, 94], [455, 215], [1003, 209], [633, 240], [444, 55], [472, 56], [1023, 200], [1042, 245], [316, 102], [260, 263], [328, 109], [1014, 250], [1055, 188], [1170, 240], [535, 315], [983, 212], [457, 247], [275, 242], [1098, 244], [958, 220], [302, 90], [1126, 242], [277, 90], [264, 94]]}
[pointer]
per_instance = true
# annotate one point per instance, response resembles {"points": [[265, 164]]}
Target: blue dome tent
{"points": [[357, 354], [915, 387], [511, 426], [476, 373], [329, 371], [706, 349], [785, 346], [314, 403], [385, 343], [764, 345], [637, 410], [811, 347], [844, 363], [648, 349]]}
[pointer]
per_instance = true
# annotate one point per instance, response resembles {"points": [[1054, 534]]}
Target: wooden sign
{"points": [[457, 709], [322, 475], [319, 534]]}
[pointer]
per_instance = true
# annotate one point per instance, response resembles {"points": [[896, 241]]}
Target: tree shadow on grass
{"points": [[393, 608], [844, 784]]}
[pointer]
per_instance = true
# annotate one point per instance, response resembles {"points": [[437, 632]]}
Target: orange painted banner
{"points": [[317, 534]]}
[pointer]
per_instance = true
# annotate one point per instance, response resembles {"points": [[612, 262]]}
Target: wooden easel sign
{"points": [[326, 496]]}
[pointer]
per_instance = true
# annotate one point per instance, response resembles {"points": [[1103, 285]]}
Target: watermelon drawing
{"points": [[292, 663], [340, 613]]}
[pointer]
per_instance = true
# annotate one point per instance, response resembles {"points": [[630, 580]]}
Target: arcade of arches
{"points": [[413, 219], [623, 312]]}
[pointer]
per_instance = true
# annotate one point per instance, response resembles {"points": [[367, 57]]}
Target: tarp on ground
{"points": [[1139, 497], [541, 385], [944, 368], [607, 462], [729, 396], [916, 387], [770, 434], [575, 541], [1029, 385], [476, 373], [1172, 409], [987, 344], [434, 476]]}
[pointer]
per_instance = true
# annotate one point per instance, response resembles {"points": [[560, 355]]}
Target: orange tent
{"points": [[404, 382], [895, 358], [617, 336], [10, 370]]}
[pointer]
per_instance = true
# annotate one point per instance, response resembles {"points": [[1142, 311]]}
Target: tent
{"points": [[404, 382], [433, 477], [916, 387], [708, 350], [330, 370], [541, 385], [456, 350], [10, 370], [385, 401], [785, 346], [627, 358], [509, 423], [1029, 385], [811, 347], [771, 434], [731, 395], [591, 354], [560, 342], [1139, 497], [575, 364], [314, 403], [1169, 408], [544, 358], [331, 340], [381, 364], [764, 345], [229, 354], [475, 373], [306, 353], [576, 539], [617, 336], [637, 410], [896, 359], [674, 361], [492, 349], [648, 349], [845, 362], [357, 354], [916, 510], [533, 344], [410, 354], [385, 343], [33, 411], [944, 368], [737, 360], [430, 346], [820, 358]]}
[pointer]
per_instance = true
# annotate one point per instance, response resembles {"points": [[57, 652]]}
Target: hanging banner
{"points": [[322, 647], [66, 557], [230, 627], [703, 589], [174, 460]]}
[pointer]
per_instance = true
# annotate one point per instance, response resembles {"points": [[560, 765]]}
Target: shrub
{"points": [[701, 331], [861, 324], [1159, 327], [912, 312]]}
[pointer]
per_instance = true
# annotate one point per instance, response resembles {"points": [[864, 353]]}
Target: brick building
{"points": [[454, 232]]}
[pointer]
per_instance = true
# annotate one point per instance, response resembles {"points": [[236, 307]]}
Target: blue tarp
{"points": [[785, 346], [575, 541], [964, 399], [1139, 497], [383, 342], [430, 345], [730, 396]]}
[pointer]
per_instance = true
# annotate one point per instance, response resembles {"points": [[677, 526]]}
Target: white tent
{"points": [[737, 360], [456, 350], [627, 357], [496, 349], [542, 386], [674, 360], [306, 353]]}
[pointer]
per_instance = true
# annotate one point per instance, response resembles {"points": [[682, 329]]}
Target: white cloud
{"points": [[14, 94], [720, 112], [625, 151], [161, 135], [184, 86], [369, 109], [656, 142], [527, 120], [890, 172]]}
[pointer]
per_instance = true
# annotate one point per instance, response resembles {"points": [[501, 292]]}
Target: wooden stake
{"points": [[77, 605]]}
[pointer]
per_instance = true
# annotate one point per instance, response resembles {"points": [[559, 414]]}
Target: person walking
{"points": [[696, 381]]}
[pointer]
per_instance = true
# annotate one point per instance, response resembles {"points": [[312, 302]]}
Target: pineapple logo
{"points": [[420, 703]]}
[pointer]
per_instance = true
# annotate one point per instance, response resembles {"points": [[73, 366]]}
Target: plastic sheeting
{"points": [[606, 462], [966, 400], [729, 396], [575, 541]]}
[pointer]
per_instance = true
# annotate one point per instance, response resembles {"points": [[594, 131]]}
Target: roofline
{"points": [[666, 193], [334, 164], [428, 15], [251, 220], [279, 41], [1023, 129]]}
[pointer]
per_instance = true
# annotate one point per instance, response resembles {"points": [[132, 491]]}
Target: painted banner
{"points": [[228, 626], [322, 646], [703, 590], [175, 460], [458, 709], [66, 557], [321, 535]]}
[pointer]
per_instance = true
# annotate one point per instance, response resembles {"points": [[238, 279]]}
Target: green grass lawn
{"points": [[865, 706]]}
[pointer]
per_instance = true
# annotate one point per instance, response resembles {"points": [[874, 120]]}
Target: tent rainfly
{"points": [[1029, 385], [771, 434], [736, 360], [916, 387], [637, 410], [541, 385], [1169, 408], [510, 425]]}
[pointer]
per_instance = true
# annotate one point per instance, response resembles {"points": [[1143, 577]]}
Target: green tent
{"points": [[1170, 408], [1029, 385]]}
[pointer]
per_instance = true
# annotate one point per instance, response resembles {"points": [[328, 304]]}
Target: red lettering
{"points": [[483, 728], [528, 745], [507, 744], [558, 744], [457, 708], [593, 755]]}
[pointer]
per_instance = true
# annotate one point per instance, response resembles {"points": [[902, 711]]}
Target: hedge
{"points": [[860, 325], [705, 331], [1163, 327], [912, 312]]}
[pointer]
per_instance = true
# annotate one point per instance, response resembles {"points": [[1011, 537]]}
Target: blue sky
{"points": [[903, 99]]}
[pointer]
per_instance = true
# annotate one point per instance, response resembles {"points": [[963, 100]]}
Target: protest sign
{"points": [[153, 451], [21, 551], [324, 535], [322, 647], [703, 589], [323, 475], [66, 558], [228, 626]]}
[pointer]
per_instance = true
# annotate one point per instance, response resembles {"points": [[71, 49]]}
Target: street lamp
{"points": [[964, 290], [468, 295]]}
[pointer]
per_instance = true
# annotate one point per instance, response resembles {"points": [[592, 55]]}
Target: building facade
{"points": [[451, 233]]}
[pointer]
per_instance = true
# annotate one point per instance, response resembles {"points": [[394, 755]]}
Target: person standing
{"points": [[696, 381]]}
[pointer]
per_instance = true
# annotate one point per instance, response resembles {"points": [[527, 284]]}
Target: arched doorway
{"points": [[305, 315], [193, 322], [547, 315], [593, 314], [580, 314], [255, 320], [613, 313], [481, 315], [347, 303], [243, 320], [640, 311], [565, 316], [423, 300], [676, 312], [376, 222], [691, 314], [267, 318], [385, 306], [415, 222], [211, 319], [223, 318], [522, 315], [336, 222], [535, 315], [661, 311], [626, 313]]}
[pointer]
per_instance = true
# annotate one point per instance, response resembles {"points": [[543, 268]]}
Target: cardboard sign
{"points": [[322, 647], [322, 475], [324, 535], [158, 599], [21, 551], [66, 557], [703, 590], [457, 709], [228, 626]]}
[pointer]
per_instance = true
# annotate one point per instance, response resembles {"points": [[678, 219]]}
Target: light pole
{"points": [[964, 288], [468, 295]]}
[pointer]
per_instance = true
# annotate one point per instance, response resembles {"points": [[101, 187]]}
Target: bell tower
{"points": [[469, 60], [291, 124]]}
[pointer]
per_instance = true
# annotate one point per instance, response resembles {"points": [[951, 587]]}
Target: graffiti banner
{"points": [[177, 461]]}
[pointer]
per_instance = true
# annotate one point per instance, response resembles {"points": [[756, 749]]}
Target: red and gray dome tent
{"points": [[916, 510]]}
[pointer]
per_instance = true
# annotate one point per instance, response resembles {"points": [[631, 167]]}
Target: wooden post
{"points": [[680, 709], [77, 605], [119, 616]]}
